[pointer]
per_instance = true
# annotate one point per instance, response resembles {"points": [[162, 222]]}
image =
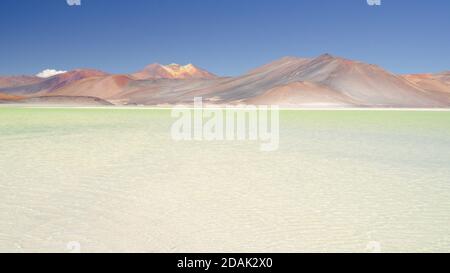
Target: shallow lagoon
{"points": [[114, 180]]}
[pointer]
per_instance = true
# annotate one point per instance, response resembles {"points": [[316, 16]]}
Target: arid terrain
{"points": [[324, 81]]}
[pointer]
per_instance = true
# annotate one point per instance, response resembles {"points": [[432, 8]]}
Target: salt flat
{"points": [[109, 180]]}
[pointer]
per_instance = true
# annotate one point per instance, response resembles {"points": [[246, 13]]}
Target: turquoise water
{"points": [[114, 180]]}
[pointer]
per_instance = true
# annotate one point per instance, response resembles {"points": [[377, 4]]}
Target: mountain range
{"points": [[323, 81]]}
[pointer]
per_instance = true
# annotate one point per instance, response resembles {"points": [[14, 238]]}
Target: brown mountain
{"points": [[324, 81], [307, 94], [7, 97], [321, 81], [431, 82], [104, 87], [39, 86], [172, 71], [14, 81]]}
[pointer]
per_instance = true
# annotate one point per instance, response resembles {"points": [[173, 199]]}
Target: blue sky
{"points": [[227, 37]]}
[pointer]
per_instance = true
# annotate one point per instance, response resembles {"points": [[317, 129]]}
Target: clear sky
{"points": [[227, 37]]}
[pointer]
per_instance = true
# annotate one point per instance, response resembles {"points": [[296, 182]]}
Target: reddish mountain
{"points": [[173, 71], [431, 82], [295, 82], [104, 87], [7, 97], [48, 85], [307, 94], [354, 83], [14, 81]]}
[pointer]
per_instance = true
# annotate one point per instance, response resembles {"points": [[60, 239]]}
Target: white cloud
{"points": [[47, 73], [74, 2]]}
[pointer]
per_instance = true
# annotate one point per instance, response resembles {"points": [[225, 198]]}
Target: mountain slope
{"points": [[305, 94], [14, 81], [172, 71], [64, 100], [48, 85], [103, 87], [431, 82], [295, 82], [361, 84], [7, 97]]}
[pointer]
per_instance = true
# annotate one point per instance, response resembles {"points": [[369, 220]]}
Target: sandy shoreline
{"points": [[223, 107]]}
